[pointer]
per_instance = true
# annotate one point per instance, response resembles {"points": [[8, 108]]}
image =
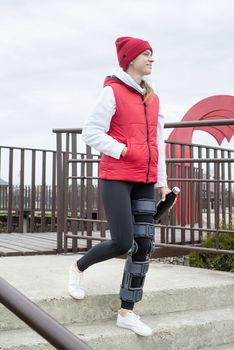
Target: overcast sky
{"points": [[54, 56]]}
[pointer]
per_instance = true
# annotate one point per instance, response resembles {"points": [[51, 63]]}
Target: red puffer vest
{"points": [[135, 125]]}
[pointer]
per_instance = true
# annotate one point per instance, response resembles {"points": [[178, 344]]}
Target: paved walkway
{"points": [[16, 244]]}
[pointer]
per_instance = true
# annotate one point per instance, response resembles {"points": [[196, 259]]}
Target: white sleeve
{"points": [[96, 126], [162, 173]]}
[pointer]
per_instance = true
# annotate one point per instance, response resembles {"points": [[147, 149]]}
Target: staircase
{"points": [[188, 308]]}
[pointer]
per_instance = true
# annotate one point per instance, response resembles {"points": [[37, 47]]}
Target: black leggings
{"points": [[117, 196]]}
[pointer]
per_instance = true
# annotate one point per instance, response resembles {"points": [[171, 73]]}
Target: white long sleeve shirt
{"points": [[97, 124]]}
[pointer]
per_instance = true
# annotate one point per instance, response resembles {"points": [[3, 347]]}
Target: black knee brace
{"points": [[138, 268]]}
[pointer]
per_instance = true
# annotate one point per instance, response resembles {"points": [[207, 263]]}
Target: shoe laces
{"points": [[131, 313]]}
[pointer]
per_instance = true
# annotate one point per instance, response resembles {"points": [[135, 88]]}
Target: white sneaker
{"points": [[76, 282], [132, 321]]}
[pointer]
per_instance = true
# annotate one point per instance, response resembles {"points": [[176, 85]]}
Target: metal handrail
{"points": [[45, 325], [194, 123], [181, 124]]}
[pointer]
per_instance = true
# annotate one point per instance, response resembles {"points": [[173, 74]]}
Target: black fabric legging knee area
{"points": [[117, 196]]}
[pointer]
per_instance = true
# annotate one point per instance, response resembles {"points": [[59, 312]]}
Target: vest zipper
{"points": [[147, 139]]}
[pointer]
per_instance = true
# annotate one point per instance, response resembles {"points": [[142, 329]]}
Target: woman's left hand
{"points": [[164, 191]]}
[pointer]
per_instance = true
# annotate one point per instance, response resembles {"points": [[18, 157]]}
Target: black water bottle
{"points": [[163, 206]]}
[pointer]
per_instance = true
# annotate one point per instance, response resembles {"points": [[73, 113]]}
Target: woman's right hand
{"points": [[124, 151]]}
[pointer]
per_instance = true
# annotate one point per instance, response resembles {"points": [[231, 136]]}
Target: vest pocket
{"points": [[128, 145], [136, 154]]}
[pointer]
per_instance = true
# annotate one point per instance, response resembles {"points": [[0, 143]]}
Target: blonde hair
{"points": [[149, 91]]}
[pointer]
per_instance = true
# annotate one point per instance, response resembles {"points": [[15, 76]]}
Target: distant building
{"points": [[3, 183]]}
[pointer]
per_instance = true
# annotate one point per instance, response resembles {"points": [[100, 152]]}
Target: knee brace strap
{"points": [[133, 269], [144, 230], [144, 206]]}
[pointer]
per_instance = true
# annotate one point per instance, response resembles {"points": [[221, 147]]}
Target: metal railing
{"points": [[51, 330], [26, 194], [73, 199], [204, 195]]}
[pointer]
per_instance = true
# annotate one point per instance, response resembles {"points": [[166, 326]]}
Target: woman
{"points": [[126, 126]]}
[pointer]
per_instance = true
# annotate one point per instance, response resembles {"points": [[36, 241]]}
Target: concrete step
{"points": [[101, 307], [169, 291], [168, 288], [229, 346], [187, 330]]}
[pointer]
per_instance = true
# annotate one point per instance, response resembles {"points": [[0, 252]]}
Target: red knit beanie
{"points": [[129, 48]]}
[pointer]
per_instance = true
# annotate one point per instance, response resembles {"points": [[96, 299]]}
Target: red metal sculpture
{"points": [[213, 107], [210, 108]]}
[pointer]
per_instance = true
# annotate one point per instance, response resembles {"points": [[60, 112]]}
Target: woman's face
{"points": [[142, 64]]}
